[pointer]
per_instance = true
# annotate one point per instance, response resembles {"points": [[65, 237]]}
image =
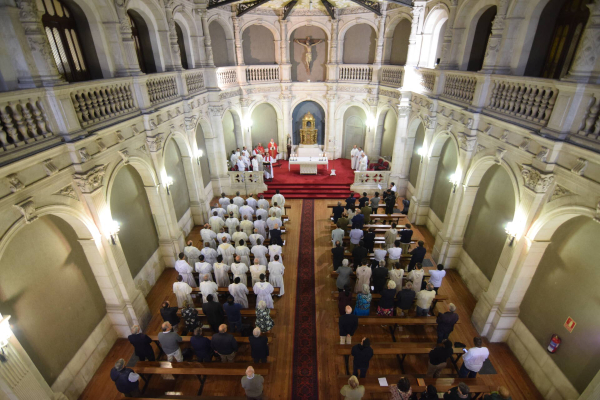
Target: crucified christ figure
{"points": [[308, 43]]}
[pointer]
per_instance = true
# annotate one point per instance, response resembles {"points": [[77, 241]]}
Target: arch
{"points": [[146, 42], [390, 28], [354, 125], [434, 29], [396, 49], [386, 132], [155, 19], [360, 43], [317, 111], [205, 161], [181, 44], [232, 131], [221, 40], [546, 225], [478, 33], [319, 52], [264, 123], [344, 105], [255, 45], [174, 167], [480, 167], [302, 24], [188, 30]]}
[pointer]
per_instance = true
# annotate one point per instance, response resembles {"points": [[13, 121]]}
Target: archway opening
{"points": [[354, 129], [181, 44], [493, 208], [415, 159], [317, 111], [143, 44], [483, 30], [360, 43], [258, 45], [222, 53], [399, 46], [312, 68], [386, 134], [175, 169], [264, 125], [130, 207], [232, 132], [203, 155], [440, 194]]}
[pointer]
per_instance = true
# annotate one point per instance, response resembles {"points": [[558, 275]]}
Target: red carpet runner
{"points": [[304, 383]]}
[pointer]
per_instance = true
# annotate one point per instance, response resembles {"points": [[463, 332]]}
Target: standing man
{"points": [[216, 222], [354, 157], [405, 238], [369, 239], [276, 270], [343, 222], [337, 211], [263, 291], [208, 287], [182, 291], [220, 210], [260, 252], [214, 312], [207, 235], [366, 211], [234, 316], [185, 271], [347, 326], [246, 211], [363, 200], [375, 203], [356, 235], [169, 314], [252, 202], [192, 253], [259, 346], [232, 209], [224, 344], [438, 359], [210, 254], [260, 224], [362, 354], [239, 292], [255, 237], [390, 202], [247, 225], [272, 147], [125, 379], [445, 323], [338, 255], [224, 200], [253, 385], [337, 235], [363, 163], [169, 341], [473, 359], [394, 255], [418, 255], [350, 201], [358, 221], [278, 199], [437, 276], [141, 344], [390, 237], [262, 202], [237, 200]]}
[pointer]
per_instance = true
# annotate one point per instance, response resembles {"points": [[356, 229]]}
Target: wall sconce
{"points": [[454, 180], [248, 122], [168, 182], [371, 122], [199, 154], [113, 229], [5, 334], [422, 152], [511, 231]]}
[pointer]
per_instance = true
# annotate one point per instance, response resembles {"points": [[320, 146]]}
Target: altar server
{"points": [[354, 157], [276, 270]]}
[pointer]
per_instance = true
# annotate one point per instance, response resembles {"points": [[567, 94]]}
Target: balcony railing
{"points": [[365, 180], [227, 77], [459, 87], [162, 89], [391, 75], [24, 119], [355, 73], [262, 73], [194, 81], [428, 79], [97, 103]]}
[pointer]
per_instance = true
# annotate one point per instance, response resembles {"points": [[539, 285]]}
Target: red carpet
{"points": [[293, 185], [305, 384]]}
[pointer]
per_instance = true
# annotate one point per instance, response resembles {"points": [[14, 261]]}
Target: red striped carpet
{"points": [[305, 383]]}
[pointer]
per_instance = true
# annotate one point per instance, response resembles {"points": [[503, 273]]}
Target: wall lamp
{"points": [[5, 334], [199, 154], [168, 182], [454, 180], [422, 152], [113, 229], [511, 231]]}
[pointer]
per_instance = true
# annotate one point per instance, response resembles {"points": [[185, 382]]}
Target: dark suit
{"points": [[202, 348], [390, 203], [359, 254], [362, 201], [358, 221], [338, 257], [369, 241], [405, 206], [418, 255], [337, 212], [362, 355], [214, 313], [259, 348], [141, 345], [275, 237], [348, 324], [379, 277], [445, 323], [169, 315], [405, 298], [350, 201]]}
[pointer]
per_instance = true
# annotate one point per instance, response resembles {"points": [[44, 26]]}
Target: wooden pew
{"points": [[334, 274], [187, 397], [197, 274], [246, 312], [226, 290], [400, 350], [146, 369]]}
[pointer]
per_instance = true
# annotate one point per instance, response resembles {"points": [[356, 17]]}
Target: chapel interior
{"points": [[122, 124]]}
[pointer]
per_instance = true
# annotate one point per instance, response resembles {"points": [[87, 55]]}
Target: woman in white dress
{"points": [[263, 291], [239, 270], [239, 292], [276, 270], [244, 252], [416, 276], [256, 270], [221, 272], [396, 275], [363, 277]]}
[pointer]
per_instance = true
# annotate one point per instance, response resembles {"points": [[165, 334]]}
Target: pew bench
{"points": [[187, 398], [226, 290], [246, 312]]}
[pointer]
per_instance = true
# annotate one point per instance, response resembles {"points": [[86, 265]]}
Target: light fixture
{"points": [[113, 229], [512, 231], [199, 154], [371, 121], [168, 182], [454, 180], [5, 334], [248, 122], [422, 152]]}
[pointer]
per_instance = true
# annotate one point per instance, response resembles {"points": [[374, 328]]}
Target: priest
{"points": [[354, 157], [272, 147]]}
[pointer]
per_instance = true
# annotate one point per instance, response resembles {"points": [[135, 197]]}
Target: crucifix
{"points": [[308, 43]]}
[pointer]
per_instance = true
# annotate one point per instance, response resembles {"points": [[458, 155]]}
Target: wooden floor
{"points": [[278, 383]]}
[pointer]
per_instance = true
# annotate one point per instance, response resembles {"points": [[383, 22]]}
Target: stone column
{"points": [[335, 44], [239, 51], [286, 98], [447, 60], [173, 45], [125, 304], [285, 65], [332, 147], [19, 377], [586, 63], [215, 146], [397, 173], [380, 37], [416, 34], [495, 42], [207, 44], [498, 307], [370, 147], [121, 38], [245, 117]]}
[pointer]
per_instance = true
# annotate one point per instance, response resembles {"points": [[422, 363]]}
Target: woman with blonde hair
{"points": [[263, 317], [353, 390]]}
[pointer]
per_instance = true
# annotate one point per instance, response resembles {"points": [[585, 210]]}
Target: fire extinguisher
{"points": [[554, 343]]}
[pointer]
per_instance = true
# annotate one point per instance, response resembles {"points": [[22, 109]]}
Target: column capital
{"points": [[155, 143], [536, 180], [88, 182]]}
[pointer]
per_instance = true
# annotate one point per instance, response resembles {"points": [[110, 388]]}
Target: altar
{"points": [[309, 156]]}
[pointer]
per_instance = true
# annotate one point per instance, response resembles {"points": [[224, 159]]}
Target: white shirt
{"points": [[425, 298], [395, 253], [436, 277], [356, 235], [475, 357], [380, 254]]}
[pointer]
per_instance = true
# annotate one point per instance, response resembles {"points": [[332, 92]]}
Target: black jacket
{"points": [[141, 344], [379, 277], [369, 241], [359, 253], [362, 201], [405, 298], [275, 237], [453, 395], [446, 322], [362, 355], [338, 256], [348, 324], [169, 315], [224, 343], [350, 201], [259, 347], [358, 221], [202, 347], [418, 255], [439, 355], [214, 312], [337, 212], [405, 235], [121, 380], [387, 298]]}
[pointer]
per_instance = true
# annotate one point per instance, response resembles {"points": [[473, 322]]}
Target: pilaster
{"points": [[332, 147], [239, 51], [447, 57], [586, 63], [215, 146], [398, 174], [419, 207], [416, 38], [207, 44], [495, 42], [121, 38], [173, 44]]}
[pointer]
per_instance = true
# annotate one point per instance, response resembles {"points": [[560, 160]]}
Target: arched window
{"points": [[143, 46], [61, 30], [184, 62], [483, 31]]}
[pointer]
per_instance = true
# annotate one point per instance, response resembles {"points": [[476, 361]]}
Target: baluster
{"points": [[9, 124], [39, 120], [536, 105], [18, 118], [545, 117], [590, 118], [77, 106], [31, 130], [3, 138], [123, 97]]}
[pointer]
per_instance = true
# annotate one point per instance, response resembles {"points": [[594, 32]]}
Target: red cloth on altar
{"points": [[272, 146]]}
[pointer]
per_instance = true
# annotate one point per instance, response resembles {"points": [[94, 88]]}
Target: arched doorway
{"points": [[232, 131], [360, 43], [317, 111], [222, 48], [415, 159], [264, 125], [318, 70], [354, 129], [481, 36], [258, 45]]}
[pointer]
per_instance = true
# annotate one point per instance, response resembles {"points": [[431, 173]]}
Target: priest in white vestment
{"points": [[244, 252], [227, 251], [216, 222], [260, 252], [191, 252], [363, 163], [261, 226], [354, 157], [224, 201], [208, 287], [278, 198], [237, 236], [185, 270], [262, 212], [221, 272], [276, 270], [182, 291], [260, 159], [263, 292], [232, 208], [274, 250], [255, 236], [210, 254], [251, 201], [269, 168], [238, 200], [239, 270], [208, 235], [271, 222], [247, 225], [239, 291], [204, 268], [233, 158], [231, 223], [246, 210], [256, 270], [263, 203], [223, 236], [275, 211], [241, 164], [220, 210], [255, 167]]}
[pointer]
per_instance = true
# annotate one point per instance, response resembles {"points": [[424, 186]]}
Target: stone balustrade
{"points": [[391, 75], [428, 80], [227, 77], [194, 81], [459, 87], [370, 180], [247, 182], [23, 119], [97, 103], [355, 73], [162, 88], [262, 73]]}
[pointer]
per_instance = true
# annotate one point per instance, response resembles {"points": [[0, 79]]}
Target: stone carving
{"points": [[580, 166], [27, 209], [101, 145], [488, 131], [68, 191], [500, 152], [467, 143], [120, 137], [135, 130], [449, 126], [470, 123], [49, 167], [14, 183], [535, 180], [404, 111], [155, 142], [504, 137], [479, 148], [215, 111], [542, 154], [84, 156], [389, 93], [560, 191], [190, 122], [91, 180], [353, 89], [525, 144], [228, 95], [124, 153]]}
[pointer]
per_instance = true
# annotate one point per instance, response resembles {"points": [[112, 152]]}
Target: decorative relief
{"points": [[560, 191], [124, 153], [535, 180], [479, 148], [13, 182], [49, 167], [500, 152], [489, 130], [542, 154], [263, 90], [215, 111], [467, 143], [353, 89], [404, 111], [389, 93], [135, 130], [89, 181], [84, 156], [120, 137], [190, 122], [504, 137], [228, 95], [525, 144], [580, 166], [27, 209], [68, 191], [101, 145], [155, 142]]}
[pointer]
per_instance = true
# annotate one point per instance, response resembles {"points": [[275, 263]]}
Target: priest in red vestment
{"points": [[259, 150], [272, 147]]}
